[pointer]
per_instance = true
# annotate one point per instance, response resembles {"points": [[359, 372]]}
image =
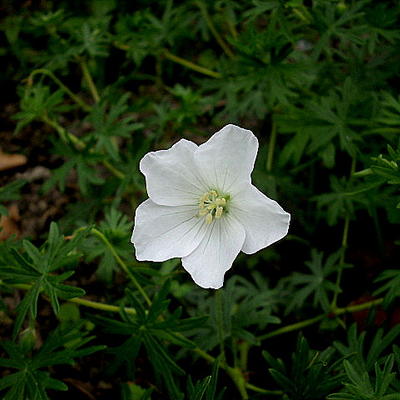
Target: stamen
{"points": [[212, 205], [220, 201]]}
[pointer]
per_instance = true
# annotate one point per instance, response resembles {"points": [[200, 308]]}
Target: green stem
{"points": [[341, 260], [78, 100], [263, 391], [215, 33], [79, 144], [286, 329], [234, 373], [205, 355], [219, 314], [362, 173], [63, 133], [79, 300], [358, 307], [238, 378], [122, 264], [113, 170], [89, 81], [190, 65], [338, 311], [101, 306], [179, 60], [345, 236], [303, 14], [292, 327], [271, 147]]}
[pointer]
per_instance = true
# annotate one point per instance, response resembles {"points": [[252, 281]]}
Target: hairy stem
{"points": [[113, 170], [77, 99], [341, 260], [79, 144], [213, 30], [89, 81], [101, 306], [338, 311], [179, 60], [263, 391], [79, 300], [190, 65], [238, 378], [345, 236], [121, 263], [220, 321], [63, 133]]}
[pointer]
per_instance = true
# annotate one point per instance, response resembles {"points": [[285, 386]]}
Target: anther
{"points": [[212, 206], [218, 212]]}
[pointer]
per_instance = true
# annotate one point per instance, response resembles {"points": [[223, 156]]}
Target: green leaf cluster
{"points": [[32, 379], [37, 268]]}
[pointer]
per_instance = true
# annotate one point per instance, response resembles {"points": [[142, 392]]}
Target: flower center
{"points": [[212, 205]]}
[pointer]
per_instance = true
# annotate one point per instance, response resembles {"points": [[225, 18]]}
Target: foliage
{"points": [[316, 283], [312, 374], [62, 346], [36, 267], [10, 192]]}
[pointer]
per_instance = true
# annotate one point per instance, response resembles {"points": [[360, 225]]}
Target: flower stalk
{"points": [[219, 314]]}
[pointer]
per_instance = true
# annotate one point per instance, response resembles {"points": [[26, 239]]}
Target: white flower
{"points": [[203, 208]]}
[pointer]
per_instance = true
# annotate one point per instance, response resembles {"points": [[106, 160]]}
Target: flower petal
{"points": [[227, 158], [171, 175], [263, 219], [208, 263], [163, 232]]}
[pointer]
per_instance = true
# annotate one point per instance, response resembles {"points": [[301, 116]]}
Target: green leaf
{"points": [[28, 304], [38, 101], [37, 268], [312, 374], [11, 192], [32, 379], [317, 283]]}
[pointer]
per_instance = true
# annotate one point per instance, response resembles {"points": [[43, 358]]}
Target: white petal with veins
{"points": [[164, 232], [208, 263]]}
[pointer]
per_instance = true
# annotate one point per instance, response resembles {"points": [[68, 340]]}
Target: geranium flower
{"points": [[203, 208]]}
